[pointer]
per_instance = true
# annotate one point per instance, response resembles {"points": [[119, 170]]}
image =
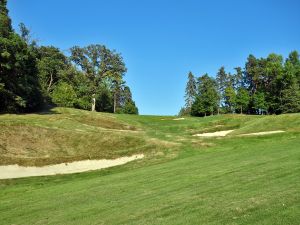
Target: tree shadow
{"points": [[47, 110]]}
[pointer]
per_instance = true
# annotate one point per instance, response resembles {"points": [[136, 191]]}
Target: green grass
{"points": [[182, 180]]}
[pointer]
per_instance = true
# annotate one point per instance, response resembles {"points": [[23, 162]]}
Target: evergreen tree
{"points": [[221, 80], [190, 91], [207, 100], [291, 98], [238, 78]]}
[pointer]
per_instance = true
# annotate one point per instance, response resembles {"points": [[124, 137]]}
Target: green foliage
{"points": [[242, 99], [104, 99], [259, 103], [184, 112], [230, 99], [291, 98], [50, 63], [267, 85], [207, 100], [190, 91], [130, 108], [19, 76], [5, 21], [32, 75], [64, 95]]}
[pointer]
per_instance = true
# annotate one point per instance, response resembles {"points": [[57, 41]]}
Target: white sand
{"points": [[214, 134], [16, 171], [263, 133], [179, 119]]}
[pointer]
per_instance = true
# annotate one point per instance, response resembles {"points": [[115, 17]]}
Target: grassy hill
{"points": [[182, 180]]}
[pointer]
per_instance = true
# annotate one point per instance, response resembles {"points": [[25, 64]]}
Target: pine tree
{"points": [[221, 80], [190, 91], [207, 100], [291, 98]]}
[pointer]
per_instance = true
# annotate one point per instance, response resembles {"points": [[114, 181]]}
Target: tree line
{"points": [[265, 86], [33, 76]]}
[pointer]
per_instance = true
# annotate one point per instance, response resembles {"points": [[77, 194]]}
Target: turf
{"points": [[182, 180]]}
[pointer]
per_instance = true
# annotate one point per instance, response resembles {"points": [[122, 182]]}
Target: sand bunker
{"points": [[16, 171], [263, 133], [214, 134], [179, 119]]}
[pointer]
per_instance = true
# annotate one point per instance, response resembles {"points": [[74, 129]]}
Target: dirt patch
{"points": [[263, 133], [16, 171], [179, 119], [214, 134]]}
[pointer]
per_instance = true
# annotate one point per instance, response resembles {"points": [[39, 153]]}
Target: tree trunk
{"points": [[50, 83], [241, 109], [93, 104], [115, 102]]}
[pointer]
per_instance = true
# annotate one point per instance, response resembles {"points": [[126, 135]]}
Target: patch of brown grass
{"points": [[33, 145]]}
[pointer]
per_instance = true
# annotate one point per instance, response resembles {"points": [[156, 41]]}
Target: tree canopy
{"points": [[33, 76], [265, 86]]}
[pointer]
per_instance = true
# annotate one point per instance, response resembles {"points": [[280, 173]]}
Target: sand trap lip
{"points": [[263, 133], [16, 171], [179, 119], [214, 134]]}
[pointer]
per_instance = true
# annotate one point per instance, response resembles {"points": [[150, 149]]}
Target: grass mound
{"points": [[66, 135]]}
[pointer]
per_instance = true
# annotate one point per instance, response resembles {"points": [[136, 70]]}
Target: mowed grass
{"points": [[230, 180]]}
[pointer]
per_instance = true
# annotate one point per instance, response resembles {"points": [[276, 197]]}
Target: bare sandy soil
{"points": [[178, 119], [225, 132], [263, 133], [16, 171], [214, 134]]}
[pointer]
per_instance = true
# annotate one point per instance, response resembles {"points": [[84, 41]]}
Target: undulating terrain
{"points": [[183, 179]]}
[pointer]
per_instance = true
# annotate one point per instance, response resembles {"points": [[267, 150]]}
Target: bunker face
{"points": [[16, 171], [214, 134], [264, 133]]}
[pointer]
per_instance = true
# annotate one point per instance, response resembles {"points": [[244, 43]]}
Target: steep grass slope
{"points": [[64, 135]]}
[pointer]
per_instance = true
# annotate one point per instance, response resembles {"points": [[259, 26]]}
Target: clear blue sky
{"points": [[161, 41]]}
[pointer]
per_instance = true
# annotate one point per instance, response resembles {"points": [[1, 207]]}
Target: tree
{"points": [[21, 89], [64, 95], [190, 91], [230, 99], [207, 100], [104, 99], [199, 107], [98, 63], [242, 99], [51, 62], [238, 78], [130, 108], [25, 33], [5, 21], [127, 105], [271, 82], [221, 80], [259, 103], [291, 98]]}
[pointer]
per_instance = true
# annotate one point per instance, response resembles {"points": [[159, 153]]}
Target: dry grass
{"points": [[65, 136]]}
